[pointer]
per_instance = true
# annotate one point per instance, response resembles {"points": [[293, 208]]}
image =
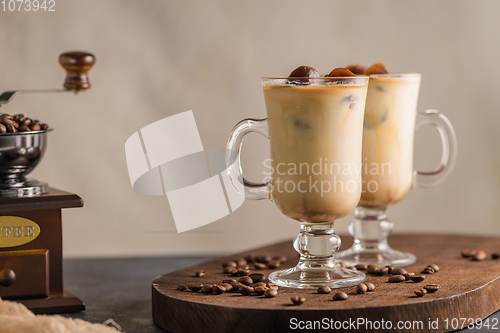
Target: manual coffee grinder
{"points": [[30, 211]]}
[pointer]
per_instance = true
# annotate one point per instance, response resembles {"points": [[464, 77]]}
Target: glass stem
{"points": [[370, 229], [316, 244]]}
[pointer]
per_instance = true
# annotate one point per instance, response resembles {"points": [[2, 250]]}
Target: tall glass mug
{"points": [[388, 173], [315, 127]]}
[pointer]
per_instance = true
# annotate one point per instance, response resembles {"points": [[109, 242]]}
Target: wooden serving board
{"points": [[468, 289]]}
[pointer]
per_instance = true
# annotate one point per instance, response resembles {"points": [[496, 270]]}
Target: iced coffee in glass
{"points": [[314, 125], [388, 173]]}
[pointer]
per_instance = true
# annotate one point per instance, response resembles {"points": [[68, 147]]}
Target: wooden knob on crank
{"points": [[77, 64]]}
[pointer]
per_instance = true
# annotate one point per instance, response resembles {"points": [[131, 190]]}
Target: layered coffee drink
{"points": [[391, 106], [315, 132]]}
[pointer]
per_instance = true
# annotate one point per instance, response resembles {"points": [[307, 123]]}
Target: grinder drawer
{"points": [[24, 274]]}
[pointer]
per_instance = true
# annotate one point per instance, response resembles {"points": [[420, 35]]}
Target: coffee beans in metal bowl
{"points": [[20, 123]]}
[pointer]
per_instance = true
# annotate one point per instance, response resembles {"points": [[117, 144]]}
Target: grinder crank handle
{"points": [[77, 64]]}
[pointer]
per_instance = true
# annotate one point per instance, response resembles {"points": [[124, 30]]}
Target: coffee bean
{"points": [[390, 268], [218, 289], [246, 280], [340, 296], [273, 264], [19, 117], [3, 129], [417, 278], [324, 289], [241, 262], [361, 288], [428, 270], [297, 300], [207, 288], [246, 290], [479, 255], [281, 259], [383, 271], [24, 129], [263, 259], [420, 292], [11, 128], [228, 269], [271, 293], [199, 273], [341, 264], [396, 278], [181, 287], [227, 286], [43, 127], [370, 286], [434, 267], [431, 288], [352, 268], [257, 277], [361, 267], [466, 253], [195, 286], [242, 267], [398, 271], [35, 127], [229, 264], [234, 272], [495, 255], [372, 269], [260, 290], [243, 272], [250, 258], [236, 286], [259, 265], [408, 276], [259, 284], [272, 286], [6, 119]]}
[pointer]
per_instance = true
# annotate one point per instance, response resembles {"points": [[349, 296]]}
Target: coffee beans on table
{"points": [[420, 292], [200, 273], [246, 280], [361, 267], [370, 286], [398, 271], [273, 264], [297, 300], [260, 290], [227, 286], [417, 278], [259, 265], [218, 289], [246, 290], [396, 279], [340, 296], [207, 288], [479, 255], [467, 253], [181, 287], [434, 267], [361, 288], [408, 276], [257, 277], [495, 255], [271, 293], [195, 286], [431, 288], [324, 289]]}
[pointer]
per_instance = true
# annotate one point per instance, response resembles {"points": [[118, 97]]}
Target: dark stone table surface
{"points": [[121, 289]]}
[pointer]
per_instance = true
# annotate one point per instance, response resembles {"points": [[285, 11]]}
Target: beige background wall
{"points": [[157, 58]]}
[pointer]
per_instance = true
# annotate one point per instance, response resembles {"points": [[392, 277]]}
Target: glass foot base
{"points": [[385, 257], [302, 278]]}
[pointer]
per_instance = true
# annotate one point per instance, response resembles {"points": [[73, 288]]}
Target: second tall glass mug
{"points": [[315, 127], [388, 174]]}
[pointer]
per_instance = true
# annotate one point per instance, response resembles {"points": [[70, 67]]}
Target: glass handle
{"points": [[435, 177], [249, 190]]}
